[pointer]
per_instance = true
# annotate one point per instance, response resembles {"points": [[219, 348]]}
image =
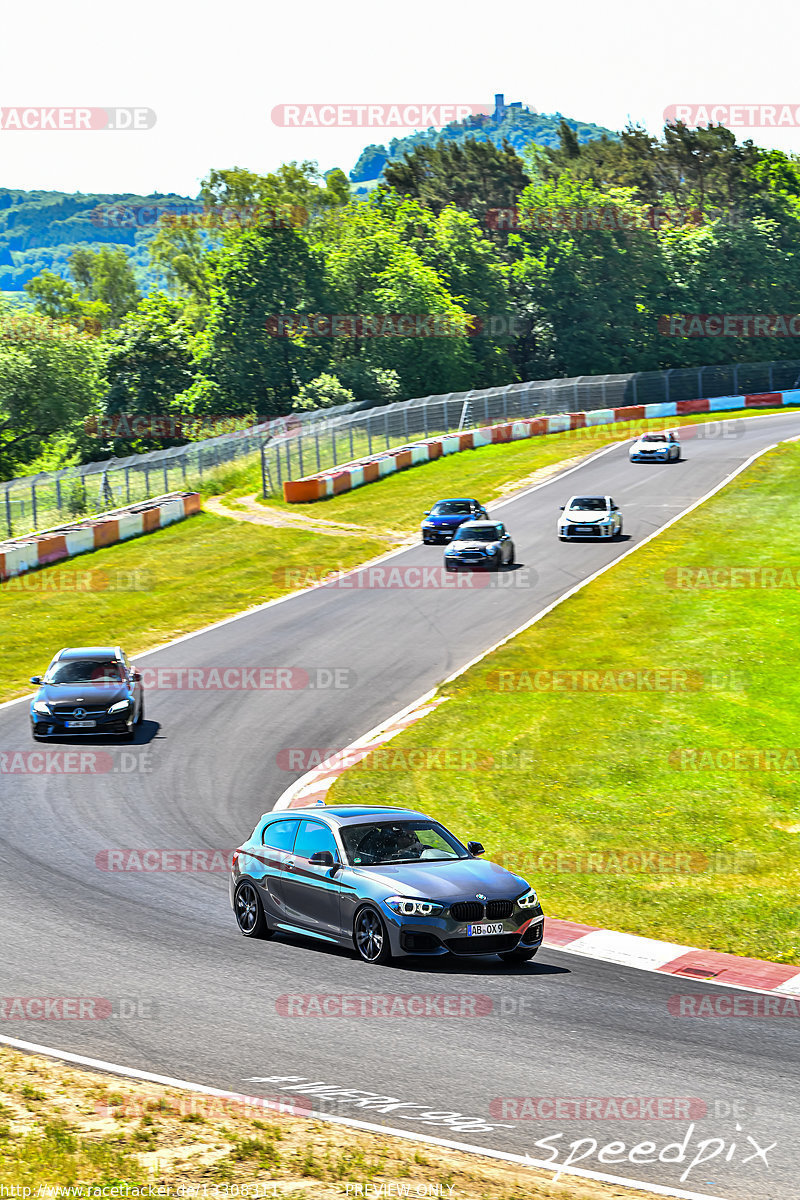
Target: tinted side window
{"points": [[280, 834], [314, 836]]}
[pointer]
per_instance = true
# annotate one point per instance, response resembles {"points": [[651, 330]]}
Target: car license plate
{"points": [[585, 529], [81, 724], [493, 927]]}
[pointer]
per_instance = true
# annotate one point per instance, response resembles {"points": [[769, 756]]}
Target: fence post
{"points": [[166, 476], [316, 443], [425, 416], [769, 389], [146, 481], [405, 426], [333, 443], [300, 454], [128, 481], [386, 426], [736, 379], [58, 494], [369, 431], [278, 469], [8, 513], [635, 381], [33, 504]]}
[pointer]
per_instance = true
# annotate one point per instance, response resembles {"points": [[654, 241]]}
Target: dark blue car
{"points": [[388, 882], [444, 518]]}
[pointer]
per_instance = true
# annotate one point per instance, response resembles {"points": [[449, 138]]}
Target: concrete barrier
{"points": [[316, 487]]}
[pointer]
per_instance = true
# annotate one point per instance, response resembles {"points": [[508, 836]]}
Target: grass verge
{"points": [[60, 1126], [153, 588], [629, 807]]}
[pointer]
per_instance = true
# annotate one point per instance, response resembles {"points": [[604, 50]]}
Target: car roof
{"points": [[482, 524], [457, 500], [100, 652], [347, 814], [586, 496]]}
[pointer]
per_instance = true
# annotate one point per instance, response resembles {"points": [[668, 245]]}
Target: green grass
{"points": [[185, 576], [598, 773], [400, 500]]}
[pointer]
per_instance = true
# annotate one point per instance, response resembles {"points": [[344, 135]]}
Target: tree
{"points": [[473, 175], [326, 391]]}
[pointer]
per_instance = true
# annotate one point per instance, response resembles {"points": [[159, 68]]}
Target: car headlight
{"points": [[428, 525], [529, 899], [407, 907], [120, 706], [41, 707]]}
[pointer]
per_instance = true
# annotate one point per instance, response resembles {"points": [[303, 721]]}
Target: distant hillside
{"points": [[512, 122], [39, 230]]}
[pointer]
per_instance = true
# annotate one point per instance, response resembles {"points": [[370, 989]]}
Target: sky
{"points": [[212, 74]]}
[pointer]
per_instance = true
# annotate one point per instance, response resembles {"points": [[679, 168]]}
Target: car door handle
{"points": [[289, 866]]}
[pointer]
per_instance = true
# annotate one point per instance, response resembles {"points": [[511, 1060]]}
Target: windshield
{"points": [[452, 508], [465, 534], [654, 437], [589, 504], [399, 841], [85, 670]]}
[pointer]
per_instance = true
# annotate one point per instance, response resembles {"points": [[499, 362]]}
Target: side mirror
{"points": [[36, 679], [475, 848], [563, 506], [427, 512], [614, 508], [322, 858], [137, 676]]}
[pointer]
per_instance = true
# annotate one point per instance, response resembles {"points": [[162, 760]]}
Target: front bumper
{"points": [[488, 561], [661, 456], [54, 725], [432, 937], [597, 531]]}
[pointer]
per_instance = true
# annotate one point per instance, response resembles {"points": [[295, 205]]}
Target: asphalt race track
{"points": [[164, 947]]}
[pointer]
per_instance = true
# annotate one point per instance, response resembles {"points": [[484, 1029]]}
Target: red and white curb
{"points": [[625, 949]]}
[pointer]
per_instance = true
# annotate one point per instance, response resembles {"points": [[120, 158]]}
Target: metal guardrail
{"points": [[306, 442]]}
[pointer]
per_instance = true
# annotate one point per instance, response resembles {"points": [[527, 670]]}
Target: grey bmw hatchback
{"points": [[390, 882]]}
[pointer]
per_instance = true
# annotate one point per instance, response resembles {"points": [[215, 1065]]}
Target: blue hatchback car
{"points": [[444, 518], [389, 882]]}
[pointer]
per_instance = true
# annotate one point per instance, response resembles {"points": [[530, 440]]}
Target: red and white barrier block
{"points": [[19, 555], [367, 470]]}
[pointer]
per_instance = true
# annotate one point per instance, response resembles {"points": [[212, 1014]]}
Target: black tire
{"points": [[370, 938], [249, 911], [449, 566], [36, 737], [511, 558], [140, 717], [618, 533], [521, 954]]}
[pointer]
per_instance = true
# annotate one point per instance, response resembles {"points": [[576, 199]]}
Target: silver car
{"points": [[656, 447], [589, 517], [389, 882]]}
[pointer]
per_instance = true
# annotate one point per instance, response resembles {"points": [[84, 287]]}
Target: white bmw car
{"points": [[656, 447], [589, 517]]}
